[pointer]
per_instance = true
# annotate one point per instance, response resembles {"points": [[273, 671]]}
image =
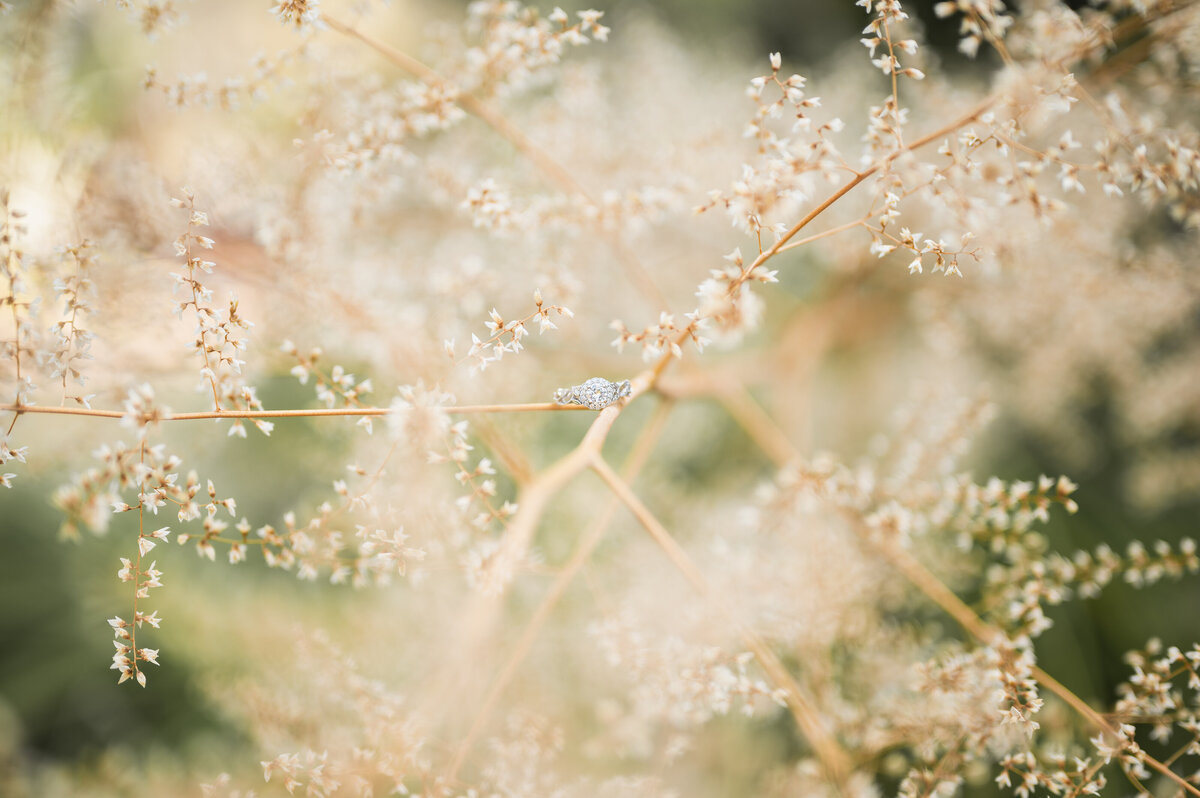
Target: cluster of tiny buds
{"points": [[1020, 702], [338, 385], [458, 448], [301, 13], [662, 338], [128, 654], [516, 42], [1024, 774], [152, 15], [791, 92], [1158, 690], [483, 491], [490, 207], [72, 341], [478, 479], [878, 32], [1121, 745], [142, 413], [199, 91], [212, 526], [589, 23], [1090, 571], [220, 337], [504, 336], [1018, 592], [726, 299], [7, 454], [700, 681], [154, 475], [788, 160], [885, 241], [14, 283], [980, 19]]}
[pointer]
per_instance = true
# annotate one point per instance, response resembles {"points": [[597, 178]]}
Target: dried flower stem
{"points": [[966, 119], [835, 760], [546, 484], [197, 220], [588, 542], [479, 619], [303, 413], [841, 228], [893, 73], [467, 479], [757, 424], [510, 455], [137, 580], [76, 288], [10, 227]]}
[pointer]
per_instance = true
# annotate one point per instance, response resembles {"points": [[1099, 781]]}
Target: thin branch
{"points": [[479, 617], [302, 413], [509, 454], [841, 228], [836, 762], [757, 424], [544, 485], [587, 545]]}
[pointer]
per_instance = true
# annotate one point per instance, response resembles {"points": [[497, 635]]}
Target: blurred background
{"points": [[74, 108]]}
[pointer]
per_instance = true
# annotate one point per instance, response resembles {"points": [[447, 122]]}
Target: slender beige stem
{"points": [[12, 296], [542, 488], [479, 616], [587, 544], [837, 764], [509, 454], [302, 413], [757, 424], [137, 574], [841, 228]]}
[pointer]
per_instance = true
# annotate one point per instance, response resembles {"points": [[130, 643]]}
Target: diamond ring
{"points": [[596, 394]]}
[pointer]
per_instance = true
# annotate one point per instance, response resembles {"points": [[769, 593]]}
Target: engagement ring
{"points": [[596, 394]]}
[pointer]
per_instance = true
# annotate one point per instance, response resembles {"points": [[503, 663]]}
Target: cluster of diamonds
{"points": [[595, 394]]}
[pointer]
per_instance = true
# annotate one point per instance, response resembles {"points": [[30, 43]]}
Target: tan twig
{"points": [[509, 454], [544, 485], [302, 413], [591, 538], [837, 764], [479, 615], [757, 424]]}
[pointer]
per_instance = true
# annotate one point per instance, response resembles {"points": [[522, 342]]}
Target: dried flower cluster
{"points": [[777, 591]]}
